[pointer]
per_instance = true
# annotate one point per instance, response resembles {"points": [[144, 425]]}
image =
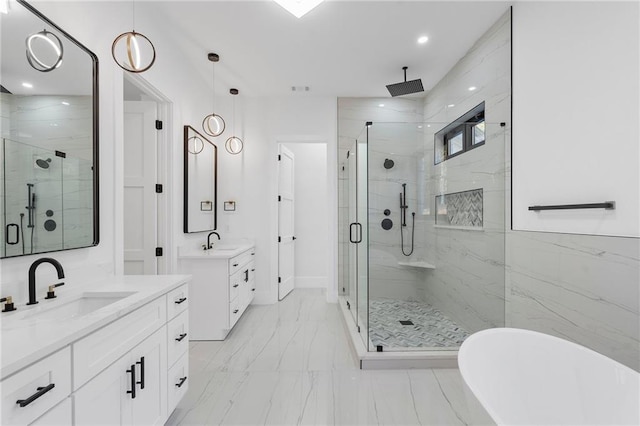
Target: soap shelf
{"points": [[423, 265]]}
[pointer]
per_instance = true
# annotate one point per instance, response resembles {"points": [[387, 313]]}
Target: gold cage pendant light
{"points": [[234, 144], [213, 124]]}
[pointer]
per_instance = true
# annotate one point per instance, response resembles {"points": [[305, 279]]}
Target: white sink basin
{"points": [[87, 303], [225, 248]]}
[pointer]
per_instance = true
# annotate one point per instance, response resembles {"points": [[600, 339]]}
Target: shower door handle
{"points": [[359, 240], [8, 233], [351, 225]]}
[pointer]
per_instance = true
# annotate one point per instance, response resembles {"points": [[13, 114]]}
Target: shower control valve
{"points": [[51, 293]]}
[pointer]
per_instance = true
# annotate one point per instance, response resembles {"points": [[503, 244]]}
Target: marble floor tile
{"points": [[291, 364]]}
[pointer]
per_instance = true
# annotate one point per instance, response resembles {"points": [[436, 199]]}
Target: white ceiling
{"points": [[341, 48]]}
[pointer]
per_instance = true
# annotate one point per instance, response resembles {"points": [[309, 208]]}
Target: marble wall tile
{"points": [[579, 287], [468, 282]]}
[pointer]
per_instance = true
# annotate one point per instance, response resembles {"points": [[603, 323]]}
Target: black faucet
{"points": [[209, 245], [32, 276]]}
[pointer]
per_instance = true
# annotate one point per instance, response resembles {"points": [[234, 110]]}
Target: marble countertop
{"points": [[26, 338], [219, 251]]}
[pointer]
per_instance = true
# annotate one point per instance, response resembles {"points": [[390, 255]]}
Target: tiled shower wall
{"points": [[467, 283], [387, 278]]}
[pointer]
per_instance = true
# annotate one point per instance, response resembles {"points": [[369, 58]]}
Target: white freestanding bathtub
{"points": [[524, 377]]}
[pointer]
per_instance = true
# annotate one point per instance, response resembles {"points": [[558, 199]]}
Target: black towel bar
{"points": [[607, 205]]}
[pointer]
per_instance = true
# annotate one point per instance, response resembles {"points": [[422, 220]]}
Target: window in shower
{"points": [[460, 136]]}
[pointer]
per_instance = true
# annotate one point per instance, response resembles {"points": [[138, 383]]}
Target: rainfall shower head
{"points": [[405, 87], [43, 164]]}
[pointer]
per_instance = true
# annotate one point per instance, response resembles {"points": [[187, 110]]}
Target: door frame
{"points": [[333, 220], [164, 175]]}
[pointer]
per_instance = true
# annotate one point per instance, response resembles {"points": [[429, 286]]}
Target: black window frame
{"points": [[464, 125]]}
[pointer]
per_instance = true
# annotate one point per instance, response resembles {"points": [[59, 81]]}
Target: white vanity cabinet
{"points": [[132, 391], [222, 287], [118, 374]]}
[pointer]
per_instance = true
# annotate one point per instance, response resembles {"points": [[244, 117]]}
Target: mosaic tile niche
{"points": [[460, 209]]}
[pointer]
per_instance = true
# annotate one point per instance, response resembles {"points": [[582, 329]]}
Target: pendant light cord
{"points": [[133, 15], [213, 88]]}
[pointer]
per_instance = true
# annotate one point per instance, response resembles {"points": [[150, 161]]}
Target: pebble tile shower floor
{"points": [[430, 328]]}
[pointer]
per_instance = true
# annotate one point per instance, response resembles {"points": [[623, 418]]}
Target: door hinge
{"points": [[348, 305], [158, 125], [158, 251], [279, 197], [279, 239], [279, 280], [295, 238], [358, 327], [158, 188], [279, 157]]}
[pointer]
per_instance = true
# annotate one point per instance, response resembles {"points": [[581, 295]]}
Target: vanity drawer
{"points": [[50, 378], [177, 301], [177, 337], [235, 284], [98, 350], [238, 262], [235, 310], [178, 381]]}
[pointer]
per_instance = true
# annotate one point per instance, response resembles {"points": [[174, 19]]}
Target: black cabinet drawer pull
{"points": [[181, 337], [40, 391], [253, 254], [236, 311], [246, 276], [236, 285], [179, 301], [132, 371], [253, 270], [181, 382], [141, 364], [253, 289], [235, 264]]}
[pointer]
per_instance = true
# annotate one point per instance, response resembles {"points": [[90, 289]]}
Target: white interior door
{"points": [[286, 238], [140, 177]]}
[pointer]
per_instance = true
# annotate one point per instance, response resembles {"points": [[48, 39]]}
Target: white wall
{"points": [[584, 288], [250, 179], [311, 214], [576, 115]]}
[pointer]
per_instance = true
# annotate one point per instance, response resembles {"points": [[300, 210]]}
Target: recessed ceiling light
{"points": [[451, 105], [423, 39], [298, 8], [27, 85], [428, 125], [381, 105], [472, 88], [419, 127], [65, 103]]}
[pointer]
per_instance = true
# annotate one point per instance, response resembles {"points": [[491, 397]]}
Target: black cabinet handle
{"points": [[40, 391], [253, 270], [246, 276], [236, 285], [236, 311], [141, 364], [132, 371], [253, 289], [235, 264], [253, 254], [181, 382], [181, 337], [179, 301]]}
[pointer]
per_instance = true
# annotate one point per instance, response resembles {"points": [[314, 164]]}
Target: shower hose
{"points": [[413, 232]]}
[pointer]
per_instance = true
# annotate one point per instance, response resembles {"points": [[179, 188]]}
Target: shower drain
{"points": [[407, 322]]}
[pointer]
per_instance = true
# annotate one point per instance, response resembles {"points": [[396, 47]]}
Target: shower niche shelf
{"points": [[419, 264]]}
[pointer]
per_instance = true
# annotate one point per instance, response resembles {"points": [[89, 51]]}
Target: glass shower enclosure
{"points": [[422, 228]]}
